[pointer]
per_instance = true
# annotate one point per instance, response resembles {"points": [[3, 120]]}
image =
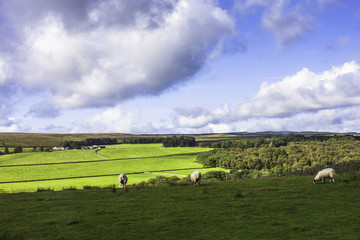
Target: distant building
{"points": [[58, 148], [92, 147]]}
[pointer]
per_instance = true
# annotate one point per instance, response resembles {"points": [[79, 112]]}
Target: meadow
{"points": [[78, 168], [264, 208]]}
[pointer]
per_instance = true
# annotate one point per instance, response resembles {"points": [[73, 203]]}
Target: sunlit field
{"points": [[78, 168]]}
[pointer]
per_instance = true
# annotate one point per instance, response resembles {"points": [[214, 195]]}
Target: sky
{"points": [[179, 66]]}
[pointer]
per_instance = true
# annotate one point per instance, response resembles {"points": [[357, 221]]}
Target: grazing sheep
{"points": [[196, 177], [325, 173], [122, 180]]}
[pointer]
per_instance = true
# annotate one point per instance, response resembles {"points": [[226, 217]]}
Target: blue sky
{"points": [[151, 66]]}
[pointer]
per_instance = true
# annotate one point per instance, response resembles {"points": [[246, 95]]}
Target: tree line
{"points": [[143, 140], [170, 141], [17, 149], [183, 141], [278, 155]]}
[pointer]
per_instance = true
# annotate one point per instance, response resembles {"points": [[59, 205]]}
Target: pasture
{"points": [[267, 208], [78, 168]]}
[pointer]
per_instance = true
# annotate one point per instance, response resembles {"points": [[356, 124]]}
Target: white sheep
{"points": [[325, 173], [196, 177], [122, 180]]}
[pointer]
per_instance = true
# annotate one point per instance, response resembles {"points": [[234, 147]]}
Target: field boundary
{"points": [[102, 175]]}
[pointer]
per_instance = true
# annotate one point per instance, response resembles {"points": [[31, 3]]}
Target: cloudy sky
{"points": [[179, 66]]}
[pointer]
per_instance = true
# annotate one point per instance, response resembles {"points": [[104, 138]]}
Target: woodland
{"points": [[281, 155]]}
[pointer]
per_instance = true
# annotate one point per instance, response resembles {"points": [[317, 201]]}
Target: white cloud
{"points": [[114, 119], [285, 19], [9, 125], [3, 71], [332, 120], [288, 25], [305, 101], [119, 58], [306, 91], [195, 117], [220, 128]]}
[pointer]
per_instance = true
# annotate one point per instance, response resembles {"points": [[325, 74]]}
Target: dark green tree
{"points": [[18, 149], [6, 151]]}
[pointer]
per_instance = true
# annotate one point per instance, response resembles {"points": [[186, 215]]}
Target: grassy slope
{"points": [[97, 168], [273, 208], [48, 157]]}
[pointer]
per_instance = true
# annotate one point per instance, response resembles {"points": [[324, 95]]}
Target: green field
{"points": [[268, 208], [79, 168]]}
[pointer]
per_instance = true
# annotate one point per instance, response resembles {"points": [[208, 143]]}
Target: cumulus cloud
{"points": [[287, 25], [335, 120], [196, 117], [289, 104], [99, 53], [7, 93], [9, 124], [306, 91], [285, 19], [115, 119]]}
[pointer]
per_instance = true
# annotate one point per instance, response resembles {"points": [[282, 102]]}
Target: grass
{"points": [[271, 208], [78, 168], [48, 157], [141, 150], [37, 172], [79, 183]]}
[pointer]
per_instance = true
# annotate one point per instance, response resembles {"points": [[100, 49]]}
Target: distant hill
{"points": [[51, 139], [54, 139]]}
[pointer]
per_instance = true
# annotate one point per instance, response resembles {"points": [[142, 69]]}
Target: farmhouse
{"points": [[59, 148], [92, 147]]}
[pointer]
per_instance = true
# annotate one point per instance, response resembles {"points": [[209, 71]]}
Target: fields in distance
{"points": [[78, 168]]}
